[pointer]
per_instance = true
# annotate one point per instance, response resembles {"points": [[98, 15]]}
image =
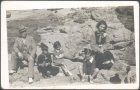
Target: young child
{"points": [[58, 58], [89, 66], [44, 61]]}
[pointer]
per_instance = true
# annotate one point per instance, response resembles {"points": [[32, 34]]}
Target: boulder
{"points": [[79, 16], [126, 16]]}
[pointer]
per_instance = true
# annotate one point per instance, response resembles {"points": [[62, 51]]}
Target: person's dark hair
{"points": [[87, 51], [56, 45], [44, 47], [100, 23]]}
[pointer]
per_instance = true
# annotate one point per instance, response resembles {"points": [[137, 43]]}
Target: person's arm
{"points": [[61, 54], [93, 43], [93, 40], [15, 47], [41, 60]]}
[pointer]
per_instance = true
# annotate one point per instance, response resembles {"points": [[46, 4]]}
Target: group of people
{"points": [[95, 59]]}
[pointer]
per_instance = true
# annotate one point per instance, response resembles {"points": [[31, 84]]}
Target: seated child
{"points": [[44, 61], [89, 66], [58, 58]]}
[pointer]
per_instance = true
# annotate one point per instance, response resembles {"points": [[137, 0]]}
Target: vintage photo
{"points": [[71, 46]]}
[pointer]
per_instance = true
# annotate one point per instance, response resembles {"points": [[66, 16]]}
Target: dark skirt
{"points": [[104, 66]]}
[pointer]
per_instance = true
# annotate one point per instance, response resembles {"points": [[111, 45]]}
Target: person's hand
{"points": [[24, 62], [20, 55], [105, 34]]}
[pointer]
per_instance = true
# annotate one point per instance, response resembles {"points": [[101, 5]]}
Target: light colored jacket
{"points": [[29, 46]]}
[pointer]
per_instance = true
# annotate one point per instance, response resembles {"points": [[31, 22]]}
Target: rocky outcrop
{"points": [[126, 16]]}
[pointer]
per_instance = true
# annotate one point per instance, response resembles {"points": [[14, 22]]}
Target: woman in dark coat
{"points": [[104, 58]]}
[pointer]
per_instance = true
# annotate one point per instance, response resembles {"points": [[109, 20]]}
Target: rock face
{"points": [[126, 16], [74, 27]]}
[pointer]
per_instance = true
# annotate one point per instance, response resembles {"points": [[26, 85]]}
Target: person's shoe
{"points": [[30, 80], [83, 80], [90, 81], [12, 72], [69, 74]]}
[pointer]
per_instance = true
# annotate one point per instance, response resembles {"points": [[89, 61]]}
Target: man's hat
{"points": [[22, 28], [43, 46]]}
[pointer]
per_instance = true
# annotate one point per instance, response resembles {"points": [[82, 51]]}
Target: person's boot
{"points": [[11, 72]]}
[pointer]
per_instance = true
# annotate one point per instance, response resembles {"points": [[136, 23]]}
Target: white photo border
{"points": [[24, 5]]}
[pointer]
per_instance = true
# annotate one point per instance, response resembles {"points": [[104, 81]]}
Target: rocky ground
{"points": [[73, 28]]}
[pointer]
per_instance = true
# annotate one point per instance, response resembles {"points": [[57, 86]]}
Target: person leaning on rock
{"points": [[99, 45], [24, 51], [99, 38]]}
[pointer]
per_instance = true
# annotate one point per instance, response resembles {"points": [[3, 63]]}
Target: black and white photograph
{"points": [[72, 47]]}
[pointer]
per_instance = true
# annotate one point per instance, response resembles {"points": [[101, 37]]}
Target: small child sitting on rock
{"points": [[89, 66], [58, 58], [44, 61]]}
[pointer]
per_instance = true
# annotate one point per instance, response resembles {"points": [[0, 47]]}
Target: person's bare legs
{"points": [[82, 72], [66, 71], [96, 71]]}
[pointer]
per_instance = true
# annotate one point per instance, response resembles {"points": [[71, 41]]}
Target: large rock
{"points": [[79, 16], [126, 16], [103, 13]]}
